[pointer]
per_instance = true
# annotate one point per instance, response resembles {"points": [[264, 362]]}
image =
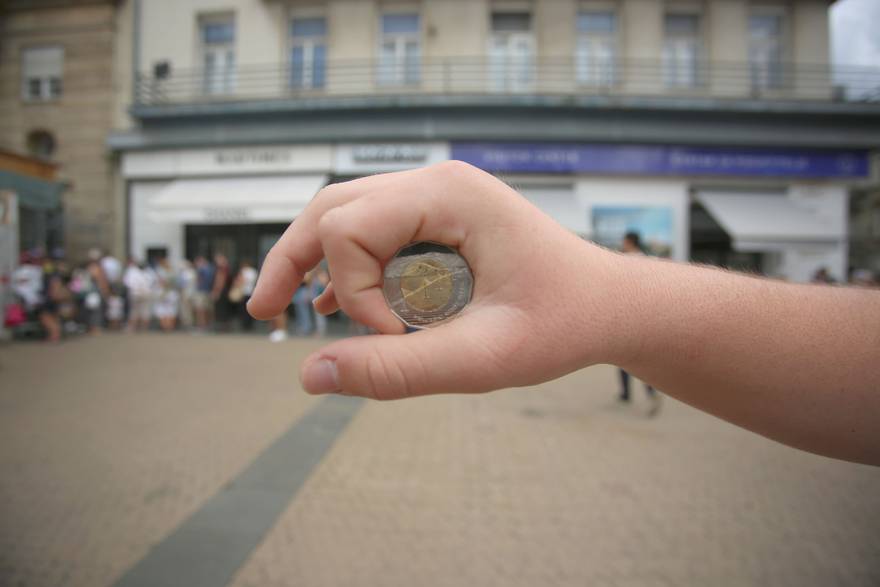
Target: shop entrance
{"points": [[710, 244], [236, 241]]}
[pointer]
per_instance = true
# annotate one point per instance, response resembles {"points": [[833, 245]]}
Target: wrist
{"points": [[618, 306]]}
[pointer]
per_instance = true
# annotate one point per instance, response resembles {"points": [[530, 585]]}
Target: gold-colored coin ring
{"points": [[426, 285]]}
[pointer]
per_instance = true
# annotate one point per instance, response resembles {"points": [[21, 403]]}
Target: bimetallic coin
{"points": [[427, 284]]}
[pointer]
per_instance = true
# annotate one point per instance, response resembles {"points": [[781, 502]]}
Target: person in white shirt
{"points": [[240, 293], [139, 286]]}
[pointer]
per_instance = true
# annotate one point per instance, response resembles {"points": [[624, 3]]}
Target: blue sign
{"points": [[662, 160]]}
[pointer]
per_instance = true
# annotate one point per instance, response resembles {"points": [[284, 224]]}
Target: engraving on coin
{"points": [[427, 284]]}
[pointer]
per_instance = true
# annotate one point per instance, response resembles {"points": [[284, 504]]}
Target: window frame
{"points": [[218, 80], [39, 87], [772, 80], [507, 75], [400, 72], [589, 69], [308, 43], [678, 75]]}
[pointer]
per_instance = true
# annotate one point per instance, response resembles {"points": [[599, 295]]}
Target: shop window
{"points": [[512, 52], [308, 53], [41, 73], [218, 54], [400, 50], [681, 50], [766, 50], [41, 144], [596, 51]]}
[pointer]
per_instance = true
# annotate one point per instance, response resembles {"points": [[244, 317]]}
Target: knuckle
{"points": [[330, 224], [384, 381], [328, 191], [456, 166]]}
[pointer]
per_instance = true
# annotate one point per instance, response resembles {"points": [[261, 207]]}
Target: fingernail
{"points": [[321, 377]]}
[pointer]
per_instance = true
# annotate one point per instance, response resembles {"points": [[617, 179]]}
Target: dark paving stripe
{"points": [[208, 547]]}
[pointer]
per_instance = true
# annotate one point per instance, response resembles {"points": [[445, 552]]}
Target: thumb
{"points": [[449, 359]]}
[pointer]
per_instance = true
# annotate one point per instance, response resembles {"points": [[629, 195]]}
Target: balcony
{"points": [[477, 80]]}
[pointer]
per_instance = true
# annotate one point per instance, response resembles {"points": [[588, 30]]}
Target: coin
{"points": [[427, 284]]}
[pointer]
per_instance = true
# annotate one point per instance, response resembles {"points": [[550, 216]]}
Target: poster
{"points": [[652, 223]]}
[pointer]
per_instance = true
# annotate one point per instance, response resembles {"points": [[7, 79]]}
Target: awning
{"points": [[235, 200], [761, 222], [32, 192]]}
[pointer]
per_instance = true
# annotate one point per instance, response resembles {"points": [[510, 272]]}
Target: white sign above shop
{"points": [[365, 158], [256, 160]]}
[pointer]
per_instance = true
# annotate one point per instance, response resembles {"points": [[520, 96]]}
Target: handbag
{"points": [[14, 315]]}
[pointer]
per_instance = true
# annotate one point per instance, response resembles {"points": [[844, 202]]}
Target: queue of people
{"points": [[54, 299]]}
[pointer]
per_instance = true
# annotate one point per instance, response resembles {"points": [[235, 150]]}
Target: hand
{"points": [[538, 289]]}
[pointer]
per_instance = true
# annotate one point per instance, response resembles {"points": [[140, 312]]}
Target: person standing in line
{"points": [[220, 291], [319, 280], [55, 296], [632, 245], [186, 284], [94, 292], [137, 284], [302, 306], [114, 303], [112, 269], [202, 303], [242, 288], [167, 298]]}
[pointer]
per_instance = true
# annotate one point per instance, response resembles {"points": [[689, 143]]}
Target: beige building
{"points": [[712, 126], [627, 47], [57, 95]]}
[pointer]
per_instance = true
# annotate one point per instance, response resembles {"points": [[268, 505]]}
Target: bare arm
{"points": [[800, 364], [797, 363]]}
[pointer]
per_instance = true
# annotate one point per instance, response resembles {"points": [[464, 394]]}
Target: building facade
{"points": [[710, 126], [56, 103]]}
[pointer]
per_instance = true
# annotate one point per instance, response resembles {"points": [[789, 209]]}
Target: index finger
{"points": [[299, 249]]}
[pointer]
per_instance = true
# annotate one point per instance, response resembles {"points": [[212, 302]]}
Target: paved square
{"points": [[109, 445]]}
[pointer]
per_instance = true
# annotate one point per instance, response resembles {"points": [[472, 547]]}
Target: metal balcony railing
{"points": [[482, 76]]}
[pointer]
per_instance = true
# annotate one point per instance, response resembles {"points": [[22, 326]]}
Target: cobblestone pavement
{"points": [[108, 444]]}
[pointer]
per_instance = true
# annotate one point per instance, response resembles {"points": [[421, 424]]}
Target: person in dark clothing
{"points": [[220, 291], [201, 300]]}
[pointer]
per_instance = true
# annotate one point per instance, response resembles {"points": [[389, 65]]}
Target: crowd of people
{"points": [[53, 298]]}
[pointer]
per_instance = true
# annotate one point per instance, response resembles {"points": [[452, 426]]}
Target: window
{"points": [[41, 144], [681, 50], [511, 52], [765, 50], [41, 70], [218, 54], [596, 48], [308, 53], [400, 50]]}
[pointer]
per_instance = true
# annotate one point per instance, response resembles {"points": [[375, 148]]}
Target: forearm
{"points": [[797, 363]]}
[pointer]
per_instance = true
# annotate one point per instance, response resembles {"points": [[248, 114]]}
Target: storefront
{"points": [[780, 212], [237, 201], [184, 203]]}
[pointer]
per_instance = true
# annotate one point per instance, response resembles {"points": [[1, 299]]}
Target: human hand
{"points": [[539, 300]]}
